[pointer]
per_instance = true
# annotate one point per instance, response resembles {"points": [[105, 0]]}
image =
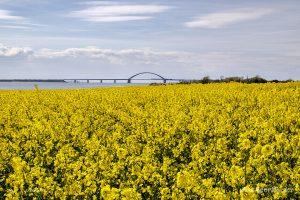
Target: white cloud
{"points": [[94, 61], [93, 3], [125, 56], [122, 57], [222, 19], [13, 27], [118, 18], [142, 56], [13, 52], [118, 13], [6, 15], [10, 21], [89, 52]]}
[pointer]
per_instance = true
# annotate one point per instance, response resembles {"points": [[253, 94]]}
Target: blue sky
{"points": [[177, 39]]}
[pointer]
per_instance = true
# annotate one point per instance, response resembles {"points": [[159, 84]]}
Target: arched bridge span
{"points": [[101, 80], [141, 73]]}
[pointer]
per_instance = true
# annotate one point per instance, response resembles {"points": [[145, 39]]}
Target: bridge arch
{"points": [[141, 73]]}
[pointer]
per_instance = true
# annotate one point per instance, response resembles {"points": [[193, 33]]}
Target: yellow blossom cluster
{"points": [[214, 141]]}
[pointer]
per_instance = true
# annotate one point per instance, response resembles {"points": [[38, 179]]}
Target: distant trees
{"points": [[255, 79]]}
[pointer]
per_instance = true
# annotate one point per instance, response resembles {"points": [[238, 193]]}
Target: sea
{"points": [[60, 85]]}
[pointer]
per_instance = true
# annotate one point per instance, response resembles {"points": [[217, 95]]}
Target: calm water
{"points": [[41, 85]]}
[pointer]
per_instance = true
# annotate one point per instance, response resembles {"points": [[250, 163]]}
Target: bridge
{"points": [[101, 80]]}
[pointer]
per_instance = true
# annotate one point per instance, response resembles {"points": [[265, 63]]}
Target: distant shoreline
{"points": [[34, 80]]}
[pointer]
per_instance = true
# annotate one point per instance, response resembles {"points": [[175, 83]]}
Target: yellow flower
{"points": [[214, 141], [267, 150], [248, 193]]}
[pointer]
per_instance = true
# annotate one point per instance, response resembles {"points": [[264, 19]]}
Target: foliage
{"points": [[215, 141], [255, 79]]}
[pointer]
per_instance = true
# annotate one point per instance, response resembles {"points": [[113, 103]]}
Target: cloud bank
{"points": [[13, 52], [93, 62], [222, 19]]}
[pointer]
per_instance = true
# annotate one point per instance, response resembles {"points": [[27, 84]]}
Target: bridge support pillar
{"points": [[88, 81], [101, 81], [129, 81], [165, 81], [75, 81], [115, 81]]}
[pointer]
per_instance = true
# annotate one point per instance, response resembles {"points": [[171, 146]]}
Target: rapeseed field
{"points": [[214, 141]]}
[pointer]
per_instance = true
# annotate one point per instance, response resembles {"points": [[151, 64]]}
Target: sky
{"points": [[174, 38]]}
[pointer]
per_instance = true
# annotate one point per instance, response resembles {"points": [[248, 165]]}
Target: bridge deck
{"points": [[160, 78], [87, 80]]}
